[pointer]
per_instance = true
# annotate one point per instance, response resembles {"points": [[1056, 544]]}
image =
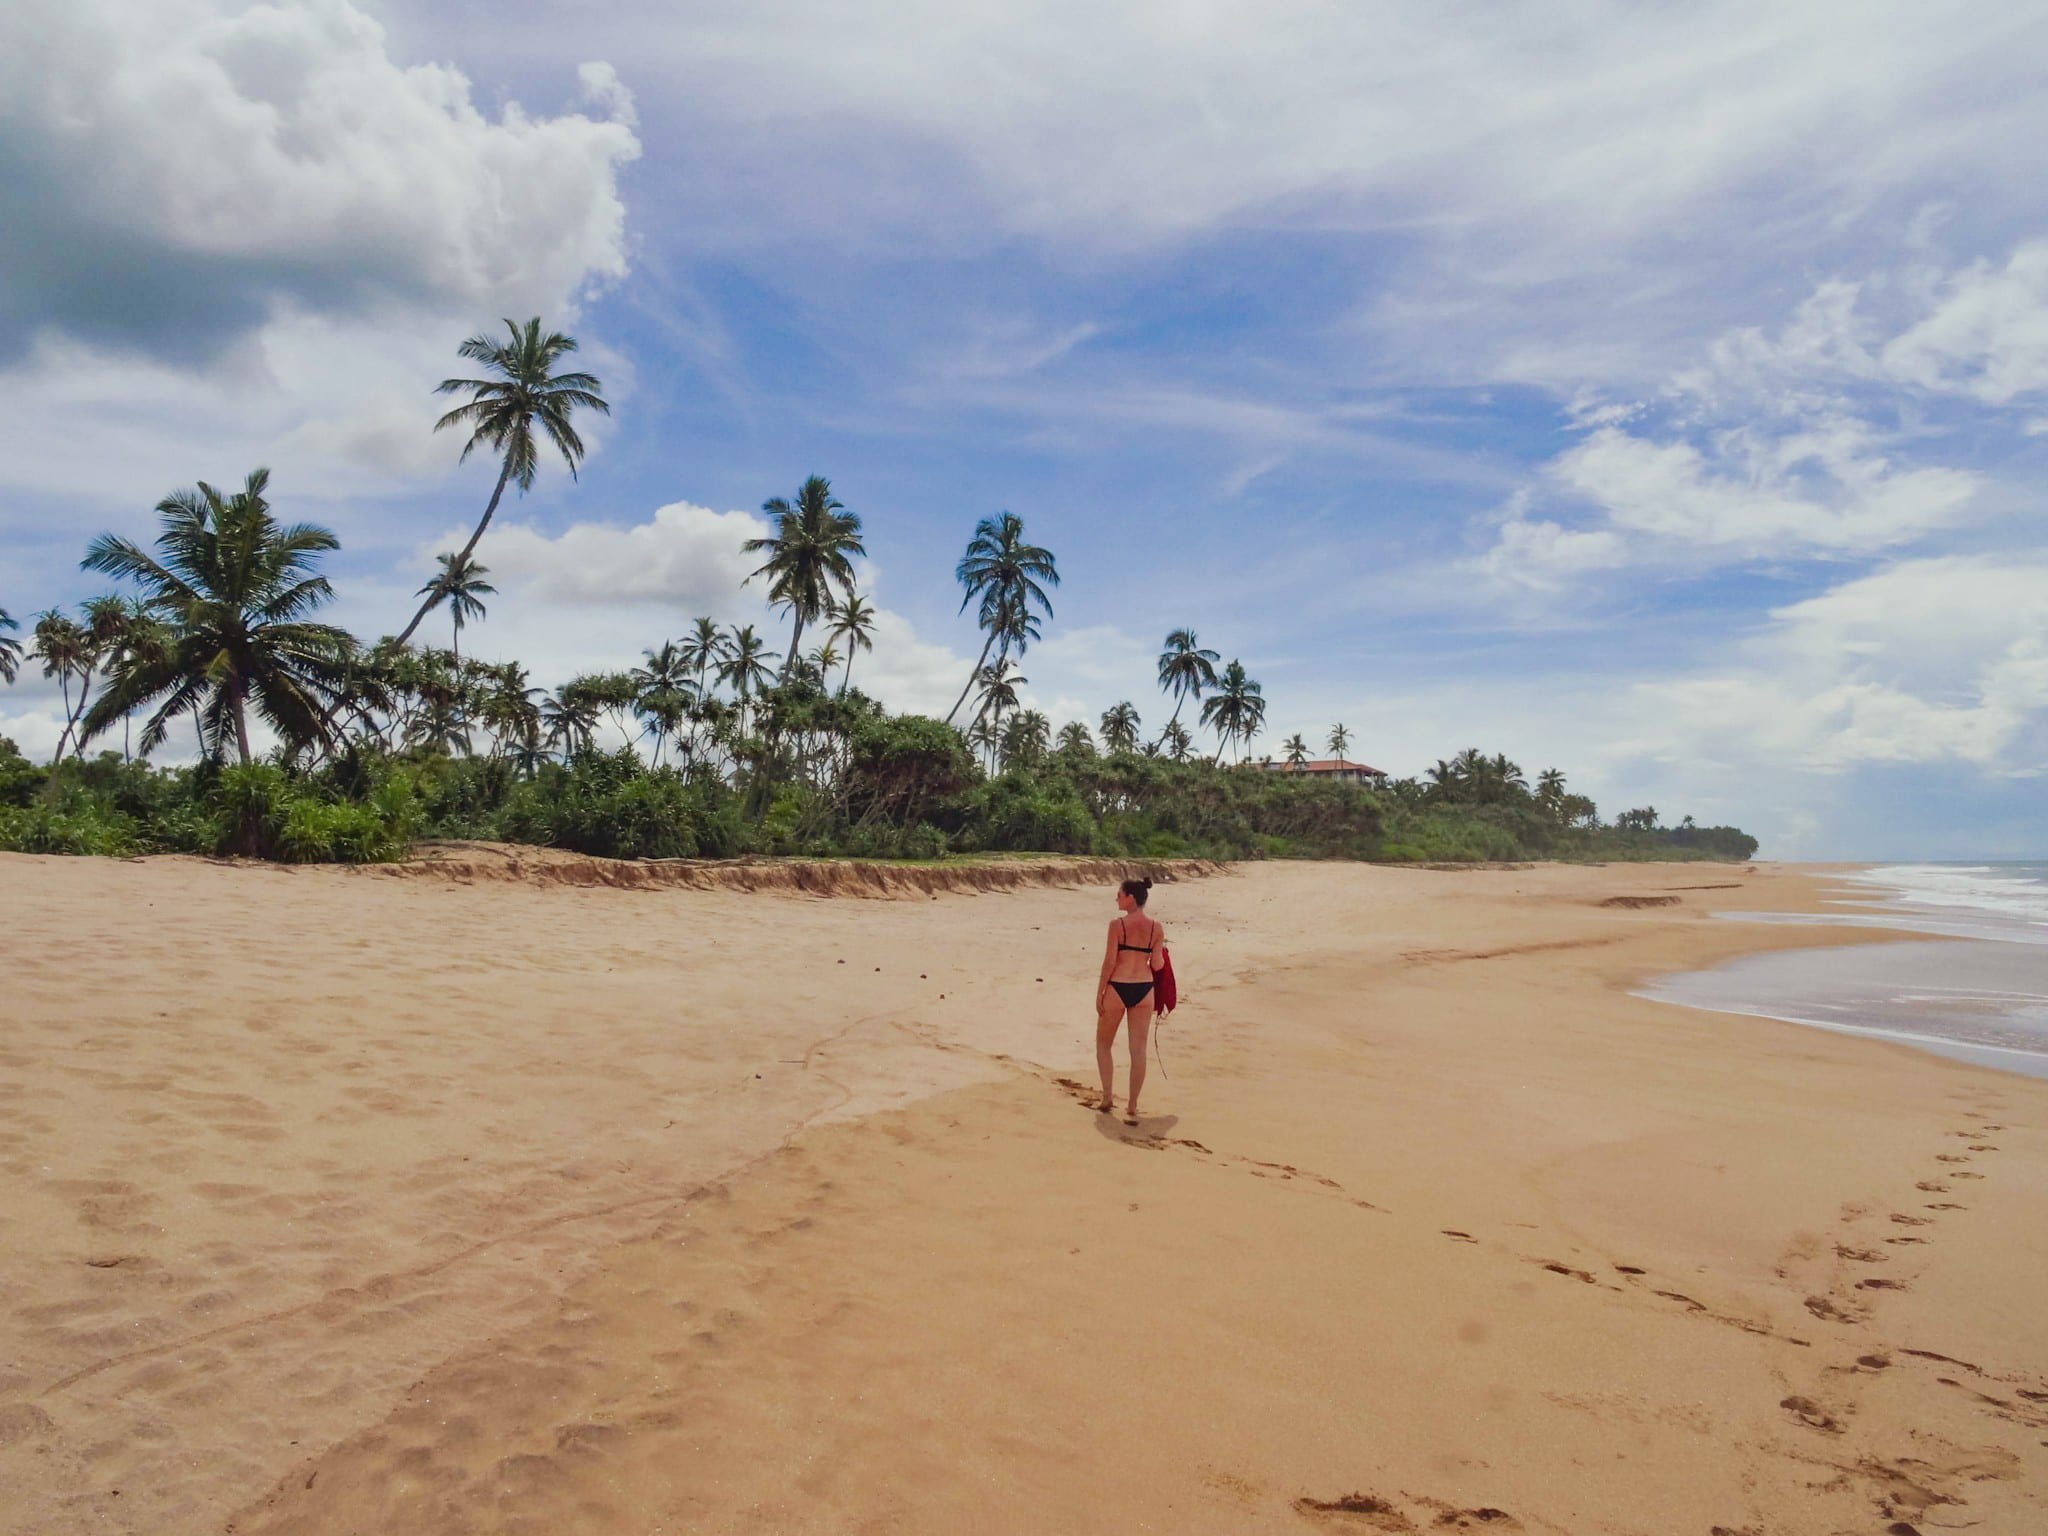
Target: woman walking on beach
{"points": [[1131, 958]]}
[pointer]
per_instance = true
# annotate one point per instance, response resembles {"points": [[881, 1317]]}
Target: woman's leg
{"points": [[1107, 1017], [1141, 1036]]}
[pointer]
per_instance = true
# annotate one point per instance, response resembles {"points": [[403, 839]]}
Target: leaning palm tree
{"points": [[1185, 669], [235, 587], [810, 556], [1120, 727], [10, 649], [1340, 741], [462, 587], [1296, 750], [853, 622], [1009, 576], [504, 410]]}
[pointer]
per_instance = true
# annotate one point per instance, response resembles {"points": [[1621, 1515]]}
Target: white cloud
{"points": [[1988, 335], [684, 558], [1754, 500], [236, 234], [1925, 661], [200, 161]]}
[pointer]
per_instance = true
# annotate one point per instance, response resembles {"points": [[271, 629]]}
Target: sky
{"points": [[1658, 393]]}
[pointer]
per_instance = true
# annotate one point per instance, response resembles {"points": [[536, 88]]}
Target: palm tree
{"points": [[10, 649], [1176, 742], [1550, 789], [65, 648], [502, 412], [744, 667], [461, 586], [509, 710], [235, 587], [1009, 576], [1120, 727], [999, 685], [810, 556], [1185, 668], [127, 636], [853, 621], [982, 737], [1026, 739], [702, 649], [1296, 750], [1340, 741], [1237, 710], [1076, 739], [569, 715], [662, 690], [824, 658]]}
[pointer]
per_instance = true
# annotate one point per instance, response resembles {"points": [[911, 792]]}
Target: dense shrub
{"points": [[905, 788]]}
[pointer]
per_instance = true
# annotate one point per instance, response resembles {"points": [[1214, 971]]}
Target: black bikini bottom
{"points": [[1132, 992]]}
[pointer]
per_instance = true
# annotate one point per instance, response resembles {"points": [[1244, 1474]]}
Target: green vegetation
{"points": [[714, 747]]}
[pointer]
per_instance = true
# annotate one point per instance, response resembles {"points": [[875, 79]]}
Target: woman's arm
{"points": [[1108, 959], [1158, 946]]}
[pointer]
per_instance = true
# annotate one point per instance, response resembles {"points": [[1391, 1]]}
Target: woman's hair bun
{"points": [[1146, 881]]}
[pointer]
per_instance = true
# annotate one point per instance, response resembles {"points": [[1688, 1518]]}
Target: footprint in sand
{"points": [[1931, 1187], [1859, 1255], [1911, 1221], [1812, 1415], [1463, 1237], [1880, 1285], [1370, 1512]]}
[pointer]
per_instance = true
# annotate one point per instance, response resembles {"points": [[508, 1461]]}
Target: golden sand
{"points": [[342, 1203]]}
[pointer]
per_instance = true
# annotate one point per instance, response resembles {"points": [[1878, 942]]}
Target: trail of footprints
{"points": [[1088, 1097], [1902, 1488]]}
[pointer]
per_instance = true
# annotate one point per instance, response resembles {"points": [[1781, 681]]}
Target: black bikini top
{"points": [[1133, 947]]}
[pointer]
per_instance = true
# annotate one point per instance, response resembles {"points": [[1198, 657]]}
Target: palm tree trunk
{"points": [[241, 719], [64, 738], [789, 662], [846, 677], [983, 657], [463, 558]]}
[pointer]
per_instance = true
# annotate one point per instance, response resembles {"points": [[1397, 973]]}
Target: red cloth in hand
{"points": [[1164, 994]]}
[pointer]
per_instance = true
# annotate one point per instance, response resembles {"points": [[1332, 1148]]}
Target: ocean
{"points": [[1980, 996]]}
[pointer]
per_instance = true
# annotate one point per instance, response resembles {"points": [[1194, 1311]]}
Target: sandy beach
{"points": [[344, 1202]]}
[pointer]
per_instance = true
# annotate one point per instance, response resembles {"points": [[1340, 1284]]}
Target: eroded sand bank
{"points": [[342, 1203]]}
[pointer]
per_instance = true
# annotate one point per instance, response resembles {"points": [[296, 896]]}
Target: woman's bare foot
{"points": [[1130, 1114], [1107, 1106]]}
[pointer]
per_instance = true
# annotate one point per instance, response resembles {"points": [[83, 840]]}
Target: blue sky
{"points": [[1660, 393]]}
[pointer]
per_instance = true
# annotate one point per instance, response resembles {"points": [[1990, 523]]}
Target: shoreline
{"points": [[1257, 1133]]}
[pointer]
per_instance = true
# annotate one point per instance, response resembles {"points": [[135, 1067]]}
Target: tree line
{"points": [[727, 745]]}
